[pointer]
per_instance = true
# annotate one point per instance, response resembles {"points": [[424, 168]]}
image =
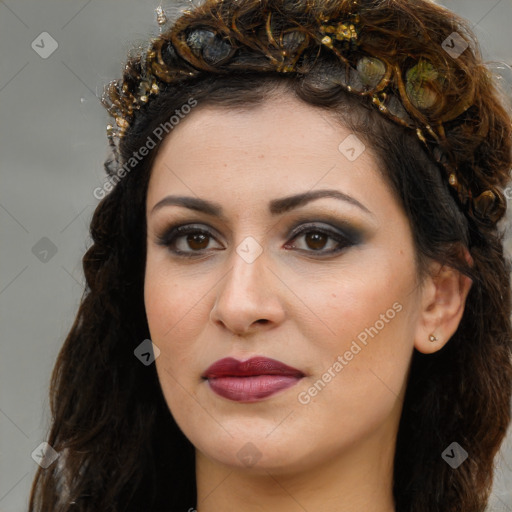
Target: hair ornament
{"points": [[420, 87]]}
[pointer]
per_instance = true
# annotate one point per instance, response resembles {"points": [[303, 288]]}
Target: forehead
{"points": [[280, 133]]}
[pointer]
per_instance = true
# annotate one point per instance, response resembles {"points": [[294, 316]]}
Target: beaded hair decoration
{"points": [[390, 51]]}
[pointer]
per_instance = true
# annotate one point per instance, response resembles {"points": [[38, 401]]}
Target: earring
{"points": [[432, 338]]}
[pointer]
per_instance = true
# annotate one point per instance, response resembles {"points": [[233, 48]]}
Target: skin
{"points": [[335, 452]]}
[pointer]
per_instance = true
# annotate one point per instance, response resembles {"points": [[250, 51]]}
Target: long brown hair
{"points": [[119, 446]]}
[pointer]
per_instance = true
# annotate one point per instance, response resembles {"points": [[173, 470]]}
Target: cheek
{"points": [[371, 327], [358, 382], [167, 311], [171, 313], [177, 309], [365, 299], [171, 303]]}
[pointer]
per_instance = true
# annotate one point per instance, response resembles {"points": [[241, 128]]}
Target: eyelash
{"points": [[173, 233]]}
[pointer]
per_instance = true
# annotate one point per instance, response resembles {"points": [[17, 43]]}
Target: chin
{"points": [[258, 446]]}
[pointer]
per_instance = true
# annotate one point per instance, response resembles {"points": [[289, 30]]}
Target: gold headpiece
{"points": [[412, 79]]}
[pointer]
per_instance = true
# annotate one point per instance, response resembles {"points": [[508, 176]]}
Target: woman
{"points": [[296, 297]]}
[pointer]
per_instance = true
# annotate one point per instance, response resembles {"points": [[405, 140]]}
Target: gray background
{"points": [[52, 148]]}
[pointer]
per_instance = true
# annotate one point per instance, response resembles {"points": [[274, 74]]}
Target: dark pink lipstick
{"points": [[251, 380]]}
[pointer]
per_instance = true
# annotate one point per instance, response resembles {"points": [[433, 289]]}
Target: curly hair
{"points": [[120, 448]]}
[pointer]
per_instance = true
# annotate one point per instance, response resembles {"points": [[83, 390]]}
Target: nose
{"points": [[249, 297]]}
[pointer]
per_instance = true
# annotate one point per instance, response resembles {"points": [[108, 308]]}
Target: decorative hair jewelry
{"points": [[161, 18], [432, 338], [411, 79]]}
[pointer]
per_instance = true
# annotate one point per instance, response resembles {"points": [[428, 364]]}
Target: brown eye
{"points": [[316, 240], [186, 240], [197, 241]]}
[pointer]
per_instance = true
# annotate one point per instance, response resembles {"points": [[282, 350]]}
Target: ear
{"points": [[444, 294]]}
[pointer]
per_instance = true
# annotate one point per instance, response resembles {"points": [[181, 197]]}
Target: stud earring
{"points": [[432, 338]]}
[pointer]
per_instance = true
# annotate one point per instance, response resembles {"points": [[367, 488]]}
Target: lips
{"points": [[251, 380]]}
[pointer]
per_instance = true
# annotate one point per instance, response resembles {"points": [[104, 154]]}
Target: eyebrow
{"points": [[276, 206]]}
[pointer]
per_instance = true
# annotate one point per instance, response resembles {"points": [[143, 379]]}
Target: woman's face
{"points": [[336, 303]]}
